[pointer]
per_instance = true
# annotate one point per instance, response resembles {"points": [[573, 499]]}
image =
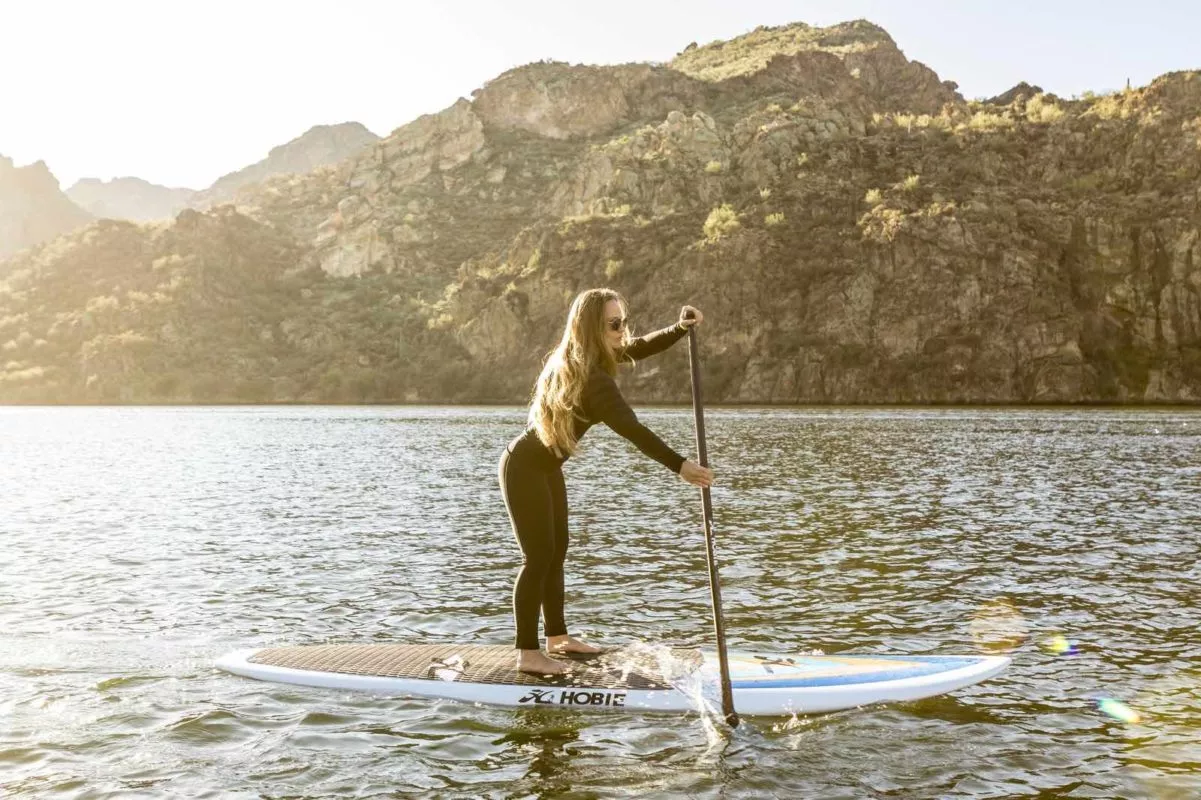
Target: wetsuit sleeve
{"points": [[604, 403], [653, 343]]}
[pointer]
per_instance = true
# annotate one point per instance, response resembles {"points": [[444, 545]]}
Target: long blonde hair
{"points": [[583, 347]]}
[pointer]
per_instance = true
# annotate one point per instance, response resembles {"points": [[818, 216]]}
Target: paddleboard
{"points": [[635, 678]]}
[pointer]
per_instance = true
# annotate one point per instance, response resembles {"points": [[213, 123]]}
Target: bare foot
{"points": [[538, 663], [569, 644]]}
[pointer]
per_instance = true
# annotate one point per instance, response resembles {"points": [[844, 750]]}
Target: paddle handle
{"points": [[719, 628]]}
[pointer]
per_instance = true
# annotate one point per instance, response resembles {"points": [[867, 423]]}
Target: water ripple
{"points": [[141, 543]]}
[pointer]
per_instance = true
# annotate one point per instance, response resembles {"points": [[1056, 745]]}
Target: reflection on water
{"points": [[141, 543]]}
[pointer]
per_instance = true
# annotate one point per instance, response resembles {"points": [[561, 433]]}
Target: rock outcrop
{"points": [[866, 52], [559, 101]]}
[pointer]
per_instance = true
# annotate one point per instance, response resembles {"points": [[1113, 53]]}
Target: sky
{"points": [[180, 93]]}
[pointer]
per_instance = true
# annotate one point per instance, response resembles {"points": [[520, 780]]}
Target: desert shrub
{"points": [[1039, 109], [987, 121], [722, 221]]}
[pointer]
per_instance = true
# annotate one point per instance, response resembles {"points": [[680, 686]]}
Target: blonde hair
{"points": [[583, 347]]}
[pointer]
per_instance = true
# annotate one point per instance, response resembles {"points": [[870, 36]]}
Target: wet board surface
{"points": [[630, 678]]}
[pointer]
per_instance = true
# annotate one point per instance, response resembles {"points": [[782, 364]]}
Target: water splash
{"points": [[450, 669], [684, 672]]}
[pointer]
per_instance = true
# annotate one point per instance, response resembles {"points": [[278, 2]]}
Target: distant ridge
{"points": [[129, 198], [32, 207], [138, 200]]}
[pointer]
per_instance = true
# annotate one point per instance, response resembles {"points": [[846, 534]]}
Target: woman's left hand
{"points": [[690, 316]]}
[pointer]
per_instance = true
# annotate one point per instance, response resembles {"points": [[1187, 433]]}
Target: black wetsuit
{"points": [[531, 480]]}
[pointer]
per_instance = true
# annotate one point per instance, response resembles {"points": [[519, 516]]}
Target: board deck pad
{"points": [[487, 664]]}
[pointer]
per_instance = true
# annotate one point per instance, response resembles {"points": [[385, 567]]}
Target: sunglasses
{"points": [[616, 324]]}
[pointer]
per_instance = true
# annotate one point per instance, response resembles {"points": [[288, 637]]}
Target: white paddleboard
{"points": [[636, 678]]}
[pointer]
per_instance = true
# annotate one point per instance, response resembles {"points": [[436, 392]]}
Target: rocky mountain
{"points": [[129, 198], [319, 146], [855, 231], [32, 207]]}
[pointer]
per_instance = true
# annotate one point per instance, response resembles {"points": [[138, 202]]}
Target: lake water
{"points": [[138, 544]]}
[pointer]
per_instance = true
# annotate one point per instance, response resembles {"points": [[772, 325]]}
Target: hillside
{"points": [[319, 146], [854, 230]]}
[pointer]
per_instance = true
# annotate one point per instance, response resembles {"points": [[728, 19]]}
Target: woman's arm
{"points": [[603, 402], [653, 343], [659, 341]]}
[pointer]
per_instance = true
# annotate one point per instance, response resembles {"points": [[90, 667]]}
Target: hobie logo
{"points": [[538, 696], [571, 697], [593, 698]]}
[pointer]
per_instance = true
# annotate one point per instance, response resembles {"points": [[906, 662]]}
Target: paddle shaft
{"points": [[719, 628]]}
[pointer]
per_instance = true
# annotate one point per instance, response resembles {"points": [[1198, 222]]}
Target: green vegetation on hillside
{"points": [[854, 233]]}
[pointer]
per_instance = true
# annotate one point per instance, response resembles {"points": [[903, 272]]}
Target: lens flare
{"points": [[1118, 710], [998, 627], [1059, 645]]}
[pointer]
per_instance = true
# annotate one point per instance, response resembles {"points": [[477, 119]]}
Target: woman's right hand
{"points": [[695, 474]]}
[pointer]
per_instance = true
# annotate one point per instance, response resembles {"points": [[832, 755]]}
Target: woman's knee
{"points": [[539, 564]]}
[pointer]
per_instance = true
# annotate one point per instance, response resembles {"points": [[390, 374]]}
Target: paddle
{"points": [[698, 413]]}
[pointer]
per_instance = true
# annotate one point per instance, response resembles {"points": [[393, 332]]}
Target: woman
{"points": [[575, 391]]}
